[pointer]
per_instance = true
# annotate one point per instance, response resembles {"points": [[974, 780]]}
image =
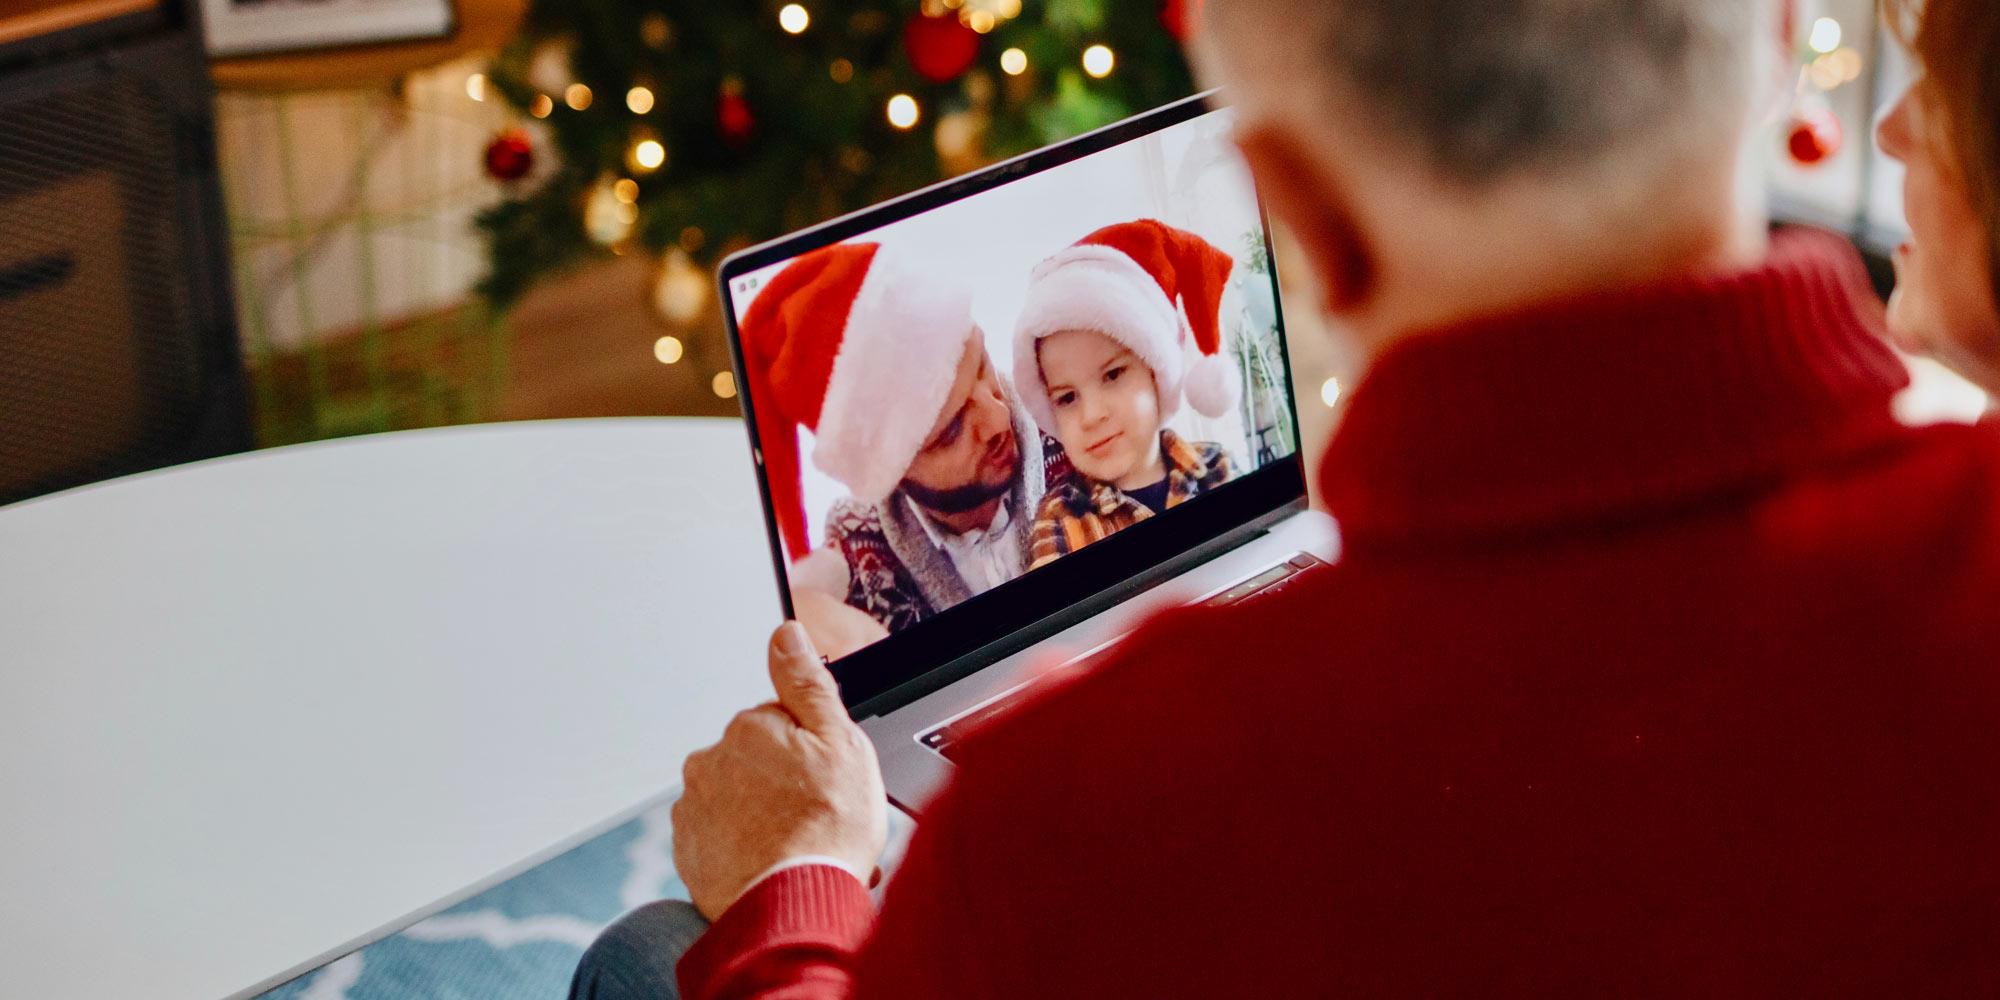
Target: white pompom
{"points": [[1212, 386]]}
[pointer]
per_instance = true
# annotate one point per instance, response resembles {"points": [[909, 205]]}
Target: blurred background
{"points": [[435, 212]]}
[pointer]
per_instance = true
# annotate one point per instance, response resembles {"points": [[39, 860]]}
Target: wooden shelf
{"points": [[21, 19], [482, 25]]}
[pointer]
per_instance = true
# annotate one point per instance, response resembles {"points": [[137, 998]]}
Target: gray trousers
{"points": [[634, 958]]}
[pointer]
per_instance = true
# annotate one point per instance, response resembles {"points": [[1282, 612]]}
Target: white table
{"points": [[257, 711]]}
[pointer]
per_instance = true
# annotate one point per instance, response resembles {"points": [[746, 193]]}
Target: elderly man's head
{"points": [[1425, 149]]}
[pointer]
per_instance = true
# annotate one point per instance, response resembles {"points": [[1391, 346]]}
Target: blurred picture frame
{"points": [[264, 27]]}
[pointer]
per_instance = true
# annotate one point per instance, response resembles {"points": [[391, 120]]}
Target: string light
{"points": [[1329, 392], [475, 86], [648, 154], [541, 106], [1009, 9], [1825, 35], [981, 21], [626, 190], [793, 18], [1846, 63], [841, 71], [903, 112], [577, 96], [668, 350], [1098, 61], [1014, 62], [681, 293], [724, 384], [639, 99], [692, 238], [607, 219]]}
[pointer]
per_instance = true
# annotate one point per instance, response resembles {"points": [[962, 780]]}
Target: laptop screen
{"points": [[955, 397]]}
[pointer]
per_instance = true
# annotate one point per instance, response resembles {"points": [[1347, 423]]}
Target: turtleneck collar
{"points": [[1606, 408]]}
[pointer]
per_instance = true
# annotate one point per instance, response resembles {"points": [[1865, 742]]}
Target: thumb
{"points": [[805, 687]]}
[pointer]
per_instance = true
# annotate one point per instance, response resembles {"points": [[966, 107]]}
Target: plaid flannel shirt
{"points": [[1079, 511]]}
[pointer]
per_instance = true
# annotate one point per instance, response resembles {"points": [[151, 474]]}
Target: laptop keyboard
{"points": [[945, 739]]}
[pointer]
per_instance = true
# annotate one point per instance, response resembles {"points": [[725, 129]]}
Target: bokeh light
{"points": [[1098, 61], [1329, 392]]}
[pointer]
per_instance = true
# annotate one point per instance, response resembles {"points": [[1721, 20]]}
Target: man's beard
{"points": [[971, 496], [958, 499]]}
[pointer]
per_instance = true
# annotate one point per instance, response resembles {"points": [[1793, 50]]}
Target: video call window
{"points": [[949, 403]]}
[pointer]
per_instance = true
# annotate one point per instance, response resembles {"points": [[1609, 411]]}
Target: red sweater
{"points": [[1660, 662]]}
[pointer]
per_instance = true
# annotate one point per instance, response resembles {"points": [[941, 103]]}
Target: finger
{"points": [[691, 767], [805, 687], [768, 721]]}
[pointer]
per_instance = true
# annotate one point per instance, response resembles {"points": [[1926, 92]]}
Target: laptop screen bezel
{"points": [[1080, 576]]}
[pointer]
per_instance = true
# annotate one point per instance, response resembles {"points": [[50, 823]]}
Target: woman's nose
{"points": [[1893, 134]]}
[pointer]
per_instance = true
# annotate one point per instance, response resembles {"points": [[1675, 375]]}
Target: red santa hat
{"points": [[855, 345], [1123, 281]]}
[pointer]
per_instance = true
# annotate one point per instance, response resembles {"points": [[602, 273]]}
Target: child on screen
{"points": [[1098, 357]]}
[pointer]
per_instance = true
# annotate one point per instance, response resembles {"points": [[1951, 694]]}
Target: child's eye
{"points": [[1112, 374], [1064, 398]]}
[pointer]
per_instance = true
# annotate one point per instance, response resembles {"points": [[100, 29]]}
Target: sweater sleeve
{"points": [[804, 933], [792, 936]]}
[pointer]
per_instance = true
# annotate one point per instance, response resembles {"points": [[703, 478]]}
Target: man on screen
{"points": [[883, 363]]}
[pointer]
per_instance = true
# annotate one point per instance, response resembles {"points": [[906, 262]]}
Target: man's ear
{"points": [[1781, 76], [1302, 195]]}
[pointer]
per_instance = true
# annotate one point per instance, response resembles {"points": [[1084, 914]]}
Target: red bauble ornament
{"points": [[1174, 17], [940, 48], [733, 118], [510, 155], [1815, 136]]}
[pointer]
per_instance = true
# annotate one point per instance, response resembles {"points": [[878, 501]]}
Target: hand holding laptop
{"points": [[792, 779]]}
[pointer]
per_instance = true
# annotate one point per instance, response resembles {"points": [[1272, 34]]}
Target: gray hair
{"points": [[1486, 89]]}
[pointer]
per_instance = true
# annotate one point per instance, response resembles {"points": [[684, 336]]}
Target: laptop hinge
{"points": [[993, 652]]}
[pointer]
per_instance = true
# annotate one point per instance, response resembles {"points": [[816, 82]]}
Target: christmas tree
{"points": [[695, 127]]}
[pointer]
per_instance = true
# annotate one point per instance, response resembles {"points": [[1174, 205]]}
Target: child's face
{"points": [[1107, 409]]}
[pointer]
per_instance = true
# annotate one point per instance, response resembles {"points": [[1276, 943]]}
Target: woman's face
{"points": [[1944, 302]]}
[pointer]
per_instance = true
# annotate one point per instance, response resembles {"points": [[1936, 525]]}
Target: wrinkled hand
{"points": [[791, 777]]}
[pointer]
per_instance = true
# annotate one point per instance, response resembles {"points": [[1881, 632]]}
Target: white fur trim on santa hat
{"points": [[899, 355], [1213, 385], [1098, 288]]}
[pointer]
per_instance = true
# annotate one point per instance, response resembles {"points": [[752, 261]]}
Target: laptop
{"points": [[963, 611]]}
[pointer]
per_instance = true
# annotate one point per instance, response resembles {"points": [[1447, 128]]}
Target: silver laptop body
{"points": [[922, 689]]}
